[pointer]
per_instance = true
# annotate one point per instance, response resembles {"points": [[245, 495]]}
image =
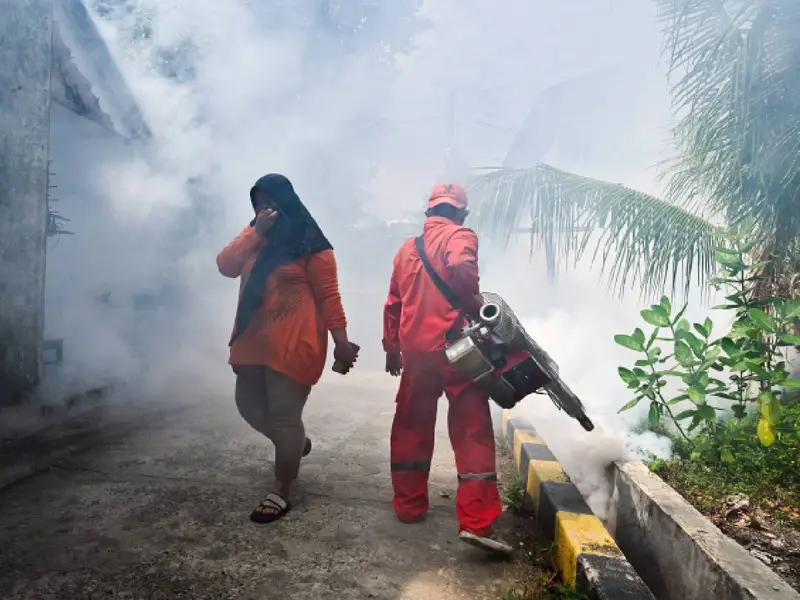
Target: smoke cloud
{"points": [[359, 103]]}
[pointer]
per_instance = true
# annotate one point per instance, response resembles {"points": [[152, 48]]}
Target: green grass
{"points": [[513, 488], [706, 487], [502, 447], [769, 477], [515, 494]]}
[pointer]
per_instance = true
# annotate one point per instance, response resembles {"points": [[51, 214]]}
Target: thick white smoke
{"points": [[358, 103]]}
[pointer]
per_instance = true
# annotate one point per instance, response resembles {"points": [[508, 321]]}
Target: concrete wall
{"points": [[107, 253], [679, 553], [25, 59]]}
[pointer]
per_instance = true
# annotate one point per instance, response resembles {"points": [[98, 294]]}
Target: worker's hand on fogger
{"points": [[265, 220], [394, 363]]}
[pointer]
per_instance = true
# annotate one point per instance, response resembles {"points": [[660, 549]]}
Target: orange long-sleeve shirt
{"points": [[300, 305], [417, 316]]}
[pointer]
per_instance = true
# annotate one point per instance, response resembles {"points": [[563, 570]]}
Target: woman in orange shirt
{"points": [[288, 301]]}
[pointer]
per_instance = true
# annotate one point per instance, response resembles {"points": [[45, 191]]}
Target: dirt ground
{"points": [[155, 505], [775, 543]]}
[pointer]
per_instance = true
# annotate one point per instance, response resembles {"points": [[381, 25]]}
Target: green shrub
{"points": [[732, 386]]}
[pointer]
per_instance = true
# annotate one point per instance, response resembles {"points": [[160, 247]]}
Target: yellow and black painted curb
{"points": [[584, 553]]}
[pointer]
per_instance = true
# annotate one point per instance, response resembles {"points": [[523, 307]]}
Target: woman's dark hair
{"points": [[448, 211]]}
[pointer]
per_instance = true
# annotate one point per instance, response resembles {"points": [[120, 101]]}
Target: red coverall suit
{"points": [[417, 318]]}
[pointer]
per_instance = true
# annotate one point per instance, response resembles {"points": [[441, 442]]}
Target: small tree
{"points": [[734, 373]]}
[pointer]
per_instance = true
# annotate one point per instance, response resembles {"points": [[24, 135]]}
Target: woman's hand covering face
{"points": [[265, 220]]}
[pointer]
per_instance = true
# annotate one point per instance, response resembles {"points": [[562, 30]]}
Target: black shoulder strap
{"points": [[443, 287]]}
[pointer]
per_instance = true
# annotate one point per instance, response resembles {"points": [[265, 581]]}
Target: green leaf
{"points": [[654, 318], [726, 256], [628, 376], [770, 407], [630, 405], [738, 297], [697, 396], [683, 354], [678, 399], [707, 412], [739, 411], [725, 306], [685, 414], [677, 320], [701, 330], [790, 339], [660, 309], [748, 247], [653, 338], [638, 336], [726, 455], [708, 325], [654, 414], [695, 343], [742, 330], [713, 354], [666, 305], [791, 383], [762, 320], [793, 309], [628, 341], [672, 373], [728, 346]]}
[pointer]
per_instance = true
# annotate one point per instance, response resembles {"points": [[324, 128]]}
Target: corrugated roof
{"points": [[85, 78]]}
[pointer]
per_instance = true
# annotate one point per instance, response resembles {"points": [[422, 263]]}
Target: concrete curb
{"points": [[678, 552], [584, 553]]}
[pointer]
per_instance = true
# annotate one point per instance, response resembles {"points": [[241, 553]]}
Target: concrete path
{"points": [[156, 505]]}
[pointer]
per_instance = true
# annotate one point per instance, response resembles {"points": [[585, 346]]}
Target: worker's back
{"points": [[427, 316]]}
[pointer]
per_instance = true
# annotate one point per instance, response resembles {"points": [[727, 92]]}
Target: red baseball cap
{"points": [[448, 193]]}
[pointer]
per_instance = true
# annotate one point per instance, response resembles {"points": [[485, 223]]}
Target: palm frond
{"points": [[638, 238], [737, 93]]}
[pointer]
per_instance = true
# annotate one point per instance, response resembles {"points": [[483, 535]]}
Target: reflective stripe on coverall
{"points": [[417, 318]]}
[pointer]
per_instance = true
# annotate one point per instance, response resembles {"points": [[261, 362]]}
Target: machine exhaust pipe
{"points": [[490, 314]]}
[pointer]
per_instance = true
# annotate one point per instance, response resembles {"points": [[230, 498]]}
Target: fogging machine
{"points": [[496, 352]]}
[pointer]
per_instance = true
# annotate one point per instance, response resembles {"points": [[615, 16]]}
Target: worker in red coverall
{"points": [[417, 320]]}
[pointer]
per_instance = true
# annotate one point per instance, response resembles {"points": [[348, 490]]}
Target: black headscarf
{"points": [[294, 235]]}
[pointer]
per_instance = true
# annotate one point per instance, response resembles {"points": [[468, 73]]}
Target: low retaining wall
{"points": [[679, 553], [584, 553]]}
